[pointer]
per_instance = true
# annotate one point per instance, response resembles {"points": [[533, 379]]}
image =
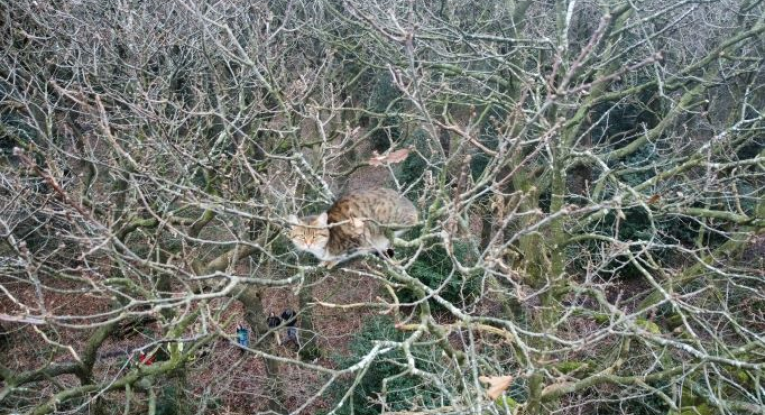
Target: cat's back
{"points": [[382, 205]]}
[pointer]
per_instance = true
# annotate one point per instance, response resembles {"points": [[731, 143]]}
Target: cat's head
{"points": [[309, 233]]}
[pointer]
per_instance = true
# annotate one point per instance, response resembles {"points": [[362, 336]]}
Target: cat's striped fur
{"points": [[357, 223]]}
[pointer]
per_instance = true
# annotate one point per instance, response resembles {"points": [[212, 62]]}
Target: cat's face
{"points": [[310, 233]]}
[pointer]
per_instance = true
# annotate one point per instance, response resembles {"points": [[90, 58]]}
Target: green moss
{"points": [[702, 409], [649, 326], [505, 402], [571, 366]]}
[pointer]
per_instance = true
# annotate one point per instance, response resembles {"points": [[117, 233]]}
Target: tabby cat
{"points": [[358, 223]]}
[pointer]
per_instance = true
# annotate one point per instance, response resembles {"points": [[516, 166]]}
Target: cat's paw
{"points": [[328, 264]]}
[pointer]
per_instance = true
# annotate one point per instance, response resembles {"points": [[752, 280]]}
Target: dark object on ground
{"points": [[273, 320], [242, 336], [290, 319], [4, 338], [145, 359]]}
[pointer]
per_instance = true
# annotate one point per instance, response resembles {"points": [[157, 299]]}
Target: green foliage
{"points": [[385, 97], [168, 402], [435, 269], [702, 409], [401, 391], [478, 164], [14, 132], [751, 149], [649, 404], [310, 350], [415, 165], [639, 224], [480, 160], [617, 120]]}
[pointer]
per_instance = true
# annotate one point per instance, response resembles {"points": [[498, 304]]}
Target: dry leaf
{"points": [[391, 158], [653, 199], [497, 385]]}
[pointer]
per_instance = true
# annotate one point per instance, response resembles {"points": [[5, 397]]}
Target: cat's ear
{"points": [[321, 220], [293, 220]]}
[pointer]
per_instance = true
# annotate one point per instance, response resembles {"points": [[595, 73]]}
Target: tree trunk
{"points": [[256, 318]]}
